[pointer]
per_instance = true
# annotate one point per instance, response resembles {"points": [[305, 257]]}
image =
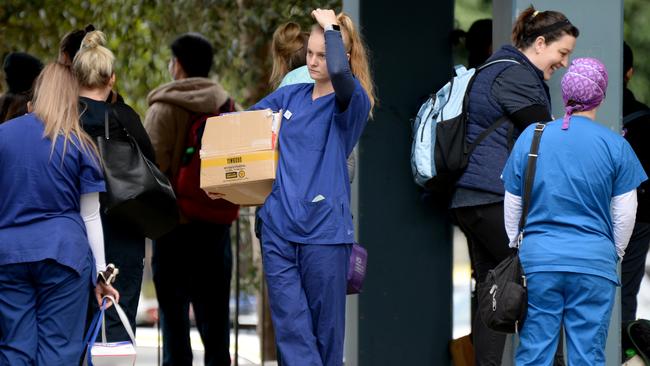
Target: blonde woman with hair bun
{"points": [[307, 230], [51, 243], [93, 65]]}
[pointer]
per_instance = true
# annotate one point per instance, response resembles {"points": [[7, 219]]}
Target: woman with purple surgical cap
{"points": [[581, 215]]}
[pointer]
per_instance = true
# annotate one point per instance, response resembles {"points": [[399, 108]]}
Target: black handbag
{"points": [[503, 296], [137, 192]]}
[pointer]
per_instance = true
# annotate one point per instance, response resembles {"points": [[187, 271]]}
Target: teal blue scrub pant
{"points": [[307, 288], [581, 302], [43, 313]]}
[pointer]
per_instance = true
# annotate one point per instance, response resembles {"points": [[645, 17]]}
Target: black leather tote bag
{"points": [[137, 192]]}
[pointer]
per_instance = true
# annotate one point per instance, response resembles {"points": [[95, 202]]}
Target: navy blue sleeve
{"points": [[353, 120], [91, 176], [338, 68], [272, 101]]}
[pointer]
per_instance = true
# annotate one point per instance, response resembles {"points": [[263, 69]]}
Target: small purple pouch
{"points": [[357, 268]]}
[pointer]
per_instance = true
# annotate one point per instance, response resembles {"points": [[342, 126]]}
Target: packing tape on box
{"points": [[238, 158]]}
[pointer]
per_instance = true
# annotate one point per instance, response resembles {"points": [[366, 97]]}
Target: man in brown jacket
{"points": [[193, 263]]}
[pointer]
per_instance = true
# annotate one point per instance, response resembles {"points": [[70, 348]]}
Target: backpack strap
{"points": [[227, 107], [632, 116], [199, 118], [470, 148]]}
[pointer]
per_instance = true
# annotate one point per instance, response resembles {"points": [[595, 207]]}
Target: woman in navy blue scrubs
{"points": [[307, 231], [51, 241]]}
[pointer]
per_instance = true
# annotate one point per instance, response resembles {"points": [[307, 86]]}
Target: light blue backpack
{"points": [[439, 151]]}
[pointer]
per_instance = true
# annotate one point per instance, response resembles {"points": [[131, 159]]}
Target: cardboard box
{"points": [[239, 156]]}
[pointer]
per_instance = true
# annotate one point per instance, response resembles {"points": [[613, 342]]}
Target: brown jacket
{"points": [[168, 116]]}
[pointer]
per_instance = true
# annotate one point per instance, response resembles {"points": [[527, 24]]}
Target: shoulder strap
{"points": [[530, 178], [498, 122], [632, 116], [485, 134], [227, 107], [490, 63]]}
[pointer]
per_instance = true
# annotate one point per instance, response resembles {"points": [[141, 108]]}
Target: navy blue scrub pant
{"points": [[307, 288], [43, 313], [193, 264]]}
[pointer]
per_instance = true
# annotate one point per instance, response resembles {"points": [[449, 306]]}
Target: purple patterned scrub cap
{"points": [[583, 87]]}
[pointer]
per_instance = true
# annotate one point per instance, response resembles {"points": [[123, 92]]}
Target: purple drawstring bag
{"points": [[357, 268]]}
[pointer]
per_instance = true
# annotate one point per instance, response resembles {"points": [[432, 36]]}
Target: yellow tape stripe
{"points": [[238, 159]]}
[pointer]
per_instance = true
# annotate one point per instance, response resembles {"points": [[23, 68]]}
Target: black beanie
{"points": [[21, 69], [194, 52]]}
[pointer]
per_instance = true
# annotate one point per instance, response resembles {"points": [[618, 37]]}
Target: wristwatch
{"points": [[108, 276], [334, 27]]}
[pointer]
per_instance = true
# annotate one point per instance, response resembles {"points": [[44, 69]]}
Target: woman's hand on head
{"points": [[324, 17]]}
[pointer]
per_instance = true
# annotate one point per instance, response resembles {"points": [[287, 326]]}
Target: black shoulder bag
{"points": [[137, 192], [503, 297]]}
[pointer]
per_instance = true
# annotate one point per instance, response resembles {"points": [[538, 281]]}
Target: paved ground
{"points": [[148, 349]]}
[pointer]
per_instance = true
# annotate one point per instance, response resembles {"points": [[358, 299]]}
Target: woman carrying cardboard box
{"points": [[308, 233]]}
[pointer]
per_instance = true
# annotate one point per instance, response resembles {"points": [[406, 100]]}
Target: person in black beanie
{"points": [[636, 129], [21, 69]]}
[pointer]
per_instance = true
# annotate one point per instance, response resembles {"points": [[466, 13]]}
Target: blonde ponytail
{"points": [[355, 46], [93, 64], [56, 103]]}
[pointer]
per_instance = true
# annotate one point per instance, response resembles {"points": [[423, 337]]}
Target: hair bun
{"points": [[93, 39]]}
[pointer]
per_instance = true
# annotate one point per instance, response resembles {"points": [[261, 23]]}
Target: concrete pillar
{"points": [[403, 317]]}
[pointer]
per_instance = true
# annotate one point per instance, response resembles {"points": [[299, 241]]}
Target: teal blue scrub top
{"points": [[579, 170]]}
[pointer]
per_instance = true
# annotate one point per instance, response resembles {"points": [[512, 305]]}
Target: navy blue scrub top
{"points": [[40, 195], [310, 200]]}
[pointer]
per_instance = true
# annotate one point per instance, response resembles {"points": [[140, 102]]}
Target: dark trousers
{"points": [[124, 248], [633, 269], [193, 264], [488, 244], [487, 240]]}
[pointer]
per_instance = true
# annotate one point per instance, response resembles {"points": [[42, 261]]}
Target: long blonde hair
{"points": [[359, 65], [93, 64], [288, 50], [56, 103]]}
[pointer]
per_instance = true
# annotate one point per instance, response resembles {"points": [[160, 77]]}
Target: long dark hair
{"points": [[532, 24]]}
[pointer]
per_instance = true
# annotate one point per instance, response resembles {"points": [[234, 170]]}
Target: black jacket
{"points": [[637, 132], [122, 120]]}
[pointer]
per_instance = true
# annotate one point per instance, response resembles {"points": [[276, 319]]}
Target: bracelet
{"points": [[108, 275]]}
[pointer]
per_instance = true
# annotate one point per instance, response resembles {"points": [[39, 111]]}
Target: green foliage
{"points": [[467, 12], [139, 33], [637, 35]]}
